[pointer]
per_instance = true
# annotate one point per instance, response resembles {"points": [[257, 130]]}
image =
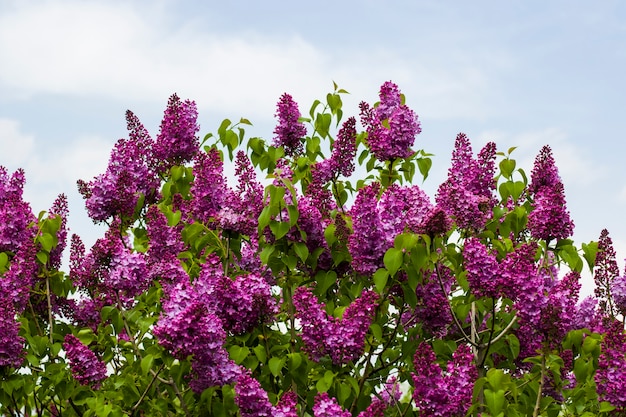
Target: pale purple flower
{"points": [[252, 400], [86, 368], [326, 406], [11, 344], [15, 213], [209, 188]]}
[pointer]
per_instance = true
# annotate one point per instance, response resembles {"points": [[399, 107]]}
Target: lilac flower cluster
{"points": [[242, 303], [59, 208], [196, 315], [610, 377], [391, 126], [127, 178], [11, 344], [289, 131], [341, 339], [252, 400], [15, 213], [177, 142], [209, 188], [443, 393], [606, 272], [84, 364], [431, 312], [468, 193], [326, 406], [376, 223], [193, 331], [549, 218], [341, 161], [513, 277]]}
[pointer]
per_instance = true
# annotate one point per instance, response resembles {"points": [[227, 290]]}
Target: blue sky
{"points": [[520, 73]]}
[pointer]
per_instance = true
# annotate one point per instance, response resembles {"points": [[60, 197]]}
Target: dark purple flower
{"points": [[11, 344], [59, 208], [85, 365], [289, 131], [610, 377]]}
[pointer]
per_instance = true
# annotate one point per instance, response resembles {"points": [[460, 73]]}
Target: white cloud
{"points": [[116, 50], [14, 142], [571, 158]]}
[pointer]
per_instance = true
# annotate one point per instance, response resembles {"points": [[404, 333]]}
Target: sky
{"points": [[520, 73]]}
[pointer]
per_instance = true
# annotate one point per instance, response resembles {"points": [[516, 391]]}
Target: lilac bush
{"points": [[317, 278]]}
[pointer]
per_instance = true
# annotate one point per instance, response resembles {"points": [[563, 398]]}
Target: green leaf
{"points": [[507, 166], [260, 353], [494, 401], [293, 214], [424, 165], [377, 331], [146, 364], [301, 250], [279, 229], [324, 383], [380, 279], [276, 365], [393, 260]]}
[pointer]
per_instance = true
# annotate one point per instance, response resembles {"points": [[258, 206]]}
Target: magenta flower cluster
{"points": [[610, 377], [134, 164], [549, 218], [391, 126], [439, 392], [341, 161], [252, 400], [342, 339], [177, 142], [86, 368], [15, 213], [467, 195], [376, 222], [289, 131]]}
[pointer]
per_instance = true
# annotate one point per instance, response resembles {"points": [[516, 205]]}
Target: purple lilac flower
{"points": [[391, 127], [243, 206], [549, 218], [443, 393], [18, 280], [605, 272], [289, 131], [482, 269], [194, 332], [59, 208], [341, 339], [242, 303], [165, 241], [610, 377], [588, 316], [341, 161], [11, 344], [326, 406], [209, 189], [177, 142], [319, 195], [431, 312], [618, 290], [85, 365], [15, 213], [128, 177], [468, 193], [367, 244], [252, 400]]}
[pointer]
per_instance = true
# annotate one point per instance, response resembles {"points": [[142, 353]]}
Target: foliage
{"points": [[332, 286]]}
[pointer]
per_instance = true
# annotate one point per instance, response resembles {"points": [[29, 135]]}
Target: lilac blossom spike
{"points": [[129, 177], [391, 127], [85, 365], [610, 377], [15, 213], [549, 218], [326, 406], [209, 189], [11, 344], [468, 193], [289, 131], [367, 243], [341, 339], [252, 400], [439, 393], [177, 142], [605, 272], [59, 208]]}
